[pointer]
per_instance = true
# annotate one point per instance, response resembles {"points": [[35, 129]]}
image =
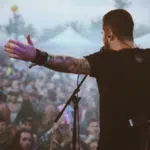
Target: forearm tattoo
{"points": [[69, 64]]}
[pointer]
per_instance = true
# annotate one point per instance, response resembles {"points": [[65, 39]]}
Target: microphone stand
{"points": [[75, 101]]}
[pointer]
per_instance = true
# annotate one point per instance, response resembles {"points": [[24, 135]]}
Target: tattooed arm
{"points": [[18, 50], [69, 64]]}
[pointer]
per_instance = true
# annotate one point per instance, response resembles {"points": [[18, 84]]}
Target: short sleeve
{"points": [[95, 63]]}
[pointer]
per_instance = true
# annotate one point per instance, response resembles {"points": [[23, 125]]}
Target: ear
{"points": [[110, 35]]}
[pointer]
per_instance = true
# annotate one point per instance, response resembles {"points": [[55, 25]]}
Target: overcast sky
{"points": [[46, 13]]}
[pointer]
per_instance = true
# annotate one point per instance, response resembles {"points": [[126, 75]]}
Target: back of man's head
{"points": [[120, 22]]}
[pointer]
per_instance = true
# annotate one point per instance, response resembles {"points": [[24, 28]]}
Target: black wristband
{"points": [[37, 56], [41, 57]]}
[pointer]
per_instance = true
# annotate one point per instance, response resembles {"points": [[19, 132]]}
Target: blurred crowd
{"points": [[30, 100]]}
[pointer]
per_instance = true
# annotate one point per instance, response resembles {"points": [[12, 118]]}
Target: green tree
{"points": [[29, 29], [16, 26]]}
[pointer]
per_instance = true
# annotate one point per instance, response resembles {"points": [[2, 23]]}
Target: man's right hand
{"points": [[18, 50]]}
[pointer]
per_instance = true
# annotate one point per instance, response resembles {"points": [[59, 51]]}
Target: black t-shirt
{"points": [[123, 79]]}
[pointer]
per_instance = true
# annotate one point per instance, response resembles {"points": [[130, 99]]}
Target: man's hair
{"points": [[121, 23], [27, 119], [3, 118], [3, 97], [16, 140], [4, 113]]}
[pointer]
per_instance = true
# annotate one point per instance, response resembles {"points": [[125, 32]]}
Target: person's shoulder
{"points": [[140, 49], [144, 50], [146, 54], [133, 50], [147, 49], [94, 54]]}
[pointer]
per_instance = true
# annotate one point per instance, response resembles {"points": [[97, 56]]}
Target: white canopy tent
{"points": [[70, 37], [71, 43]]}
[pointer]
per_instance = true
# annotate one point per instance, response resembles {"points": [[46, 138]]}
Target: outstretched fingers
{"points": [[17, 43], [10, 55], [9, 49], [13, 49]]}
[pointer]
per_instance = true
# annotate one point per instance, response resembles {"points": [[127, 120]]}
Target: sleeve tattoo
{"points": [[69, 64]]}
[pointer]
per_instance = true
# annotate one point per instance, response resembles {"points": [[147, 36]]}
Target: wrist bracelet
{"points": [[48, 59], [41, 58], [37, 56]]}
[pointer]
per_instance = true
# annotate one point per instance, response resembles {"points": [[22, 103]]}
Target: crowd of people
{"points": [[30, 100]]}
